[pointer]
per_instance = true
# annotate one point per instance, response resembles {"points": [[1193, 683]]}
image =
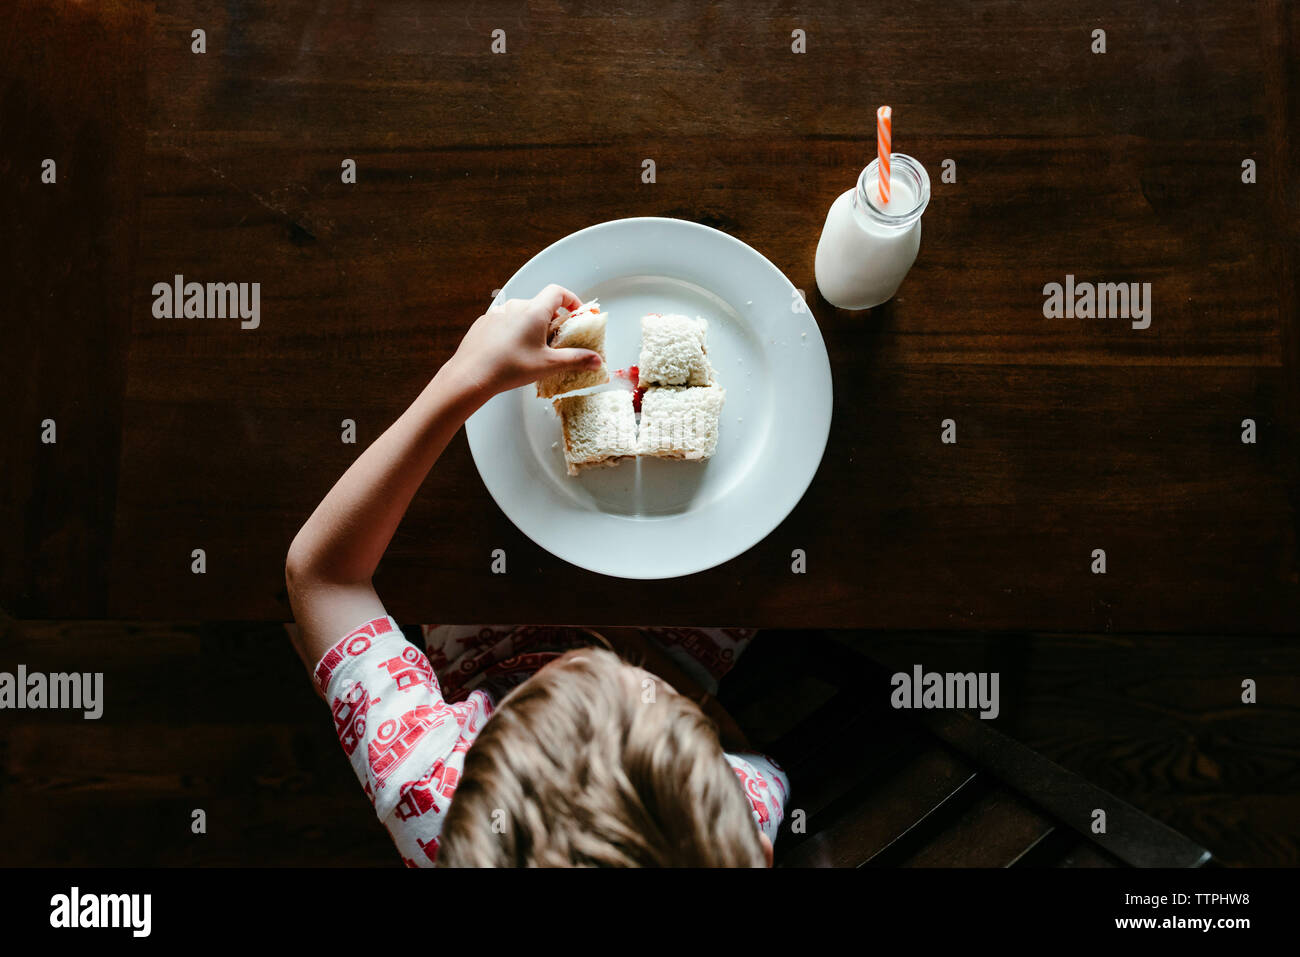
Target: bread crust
{"points": [[584, 329], [607, 426]]}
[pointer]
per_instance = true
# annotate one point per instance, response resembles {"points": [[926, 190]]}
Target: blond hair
{"points": [[581, 766]]}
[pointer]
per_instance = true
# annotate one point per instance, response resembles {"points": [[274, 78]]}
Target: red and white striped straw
{"points": [[884, 145]]}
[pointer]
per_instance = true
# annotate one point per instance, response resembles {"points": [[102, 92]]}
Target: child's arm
{"points": [[333, 556]]}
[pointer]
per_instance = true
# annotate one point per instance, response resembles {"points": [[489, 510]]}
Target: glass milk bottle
{"points": [[867, 246]]}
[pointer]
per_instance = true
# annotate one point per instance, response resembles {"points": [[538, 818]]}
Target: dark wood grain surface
{"points": [[1072, 434]]}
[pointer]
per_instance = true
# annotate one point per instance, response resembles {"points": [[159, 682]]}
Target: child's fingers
{"points": [[553, 297], [574, 358]]}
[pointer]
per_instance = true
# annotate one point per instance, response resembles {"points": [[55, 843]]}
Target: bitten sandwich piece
{"points": [[673, 351], [679, 422], [599, 429], [582, 329]]}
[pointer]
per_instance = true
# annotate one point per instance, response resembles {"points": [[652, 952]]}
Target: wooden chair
{"points": [[880, 787]]}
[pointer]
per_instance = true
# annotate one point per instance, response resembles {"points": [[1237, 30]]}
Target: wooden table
{"points": [[1073, 434]]}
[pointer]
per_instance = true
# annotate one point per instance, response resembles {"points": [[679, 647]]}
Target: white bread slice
{"points": [[674, 351], [680, 422], [599, 429], [582, 329]]}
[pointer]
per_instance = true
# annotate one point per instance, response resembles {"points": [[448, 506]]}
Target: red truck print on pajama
{"points": [[350, 710], [421, 797], [411, 669], [395, 738], [752, 790]]}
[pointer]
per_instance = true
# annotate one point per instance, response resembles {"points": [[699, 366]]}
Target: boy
{"points": [[590, 761]]}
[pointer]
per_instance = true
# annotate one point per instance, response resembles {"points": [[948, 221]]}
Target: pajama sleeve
{"points": [[406, 744], [766, 785]]}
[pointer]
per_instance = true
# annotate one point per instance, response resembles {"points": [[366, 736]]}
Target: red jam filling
{"points": [[632, 375]]}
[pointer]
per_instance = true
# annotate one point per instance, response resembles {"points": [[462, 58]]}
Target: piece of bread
{"points": [[680, 422], [582, 329], [599, 429], [674, 351]]}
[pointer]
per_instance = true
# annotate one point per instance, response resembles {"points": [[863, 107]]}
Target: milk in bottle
{"points": [[867, 246]]}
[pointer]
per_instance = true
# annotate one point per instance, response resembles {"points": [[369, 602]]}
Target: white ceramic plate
{"points": [[654, 518]]}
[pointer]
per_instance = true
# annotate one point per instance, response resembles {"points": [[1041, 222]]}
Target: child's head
{"points": [[588, 764]]}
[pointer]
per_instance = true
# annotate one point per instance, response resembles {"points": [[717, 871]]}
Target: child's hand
{"points": [[506, 347]]}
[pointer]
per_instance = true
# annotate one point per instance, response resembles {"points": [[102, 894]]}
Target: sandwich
{"points": [[673, 351], [599, 429], [583, 328], [680, 422]]}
